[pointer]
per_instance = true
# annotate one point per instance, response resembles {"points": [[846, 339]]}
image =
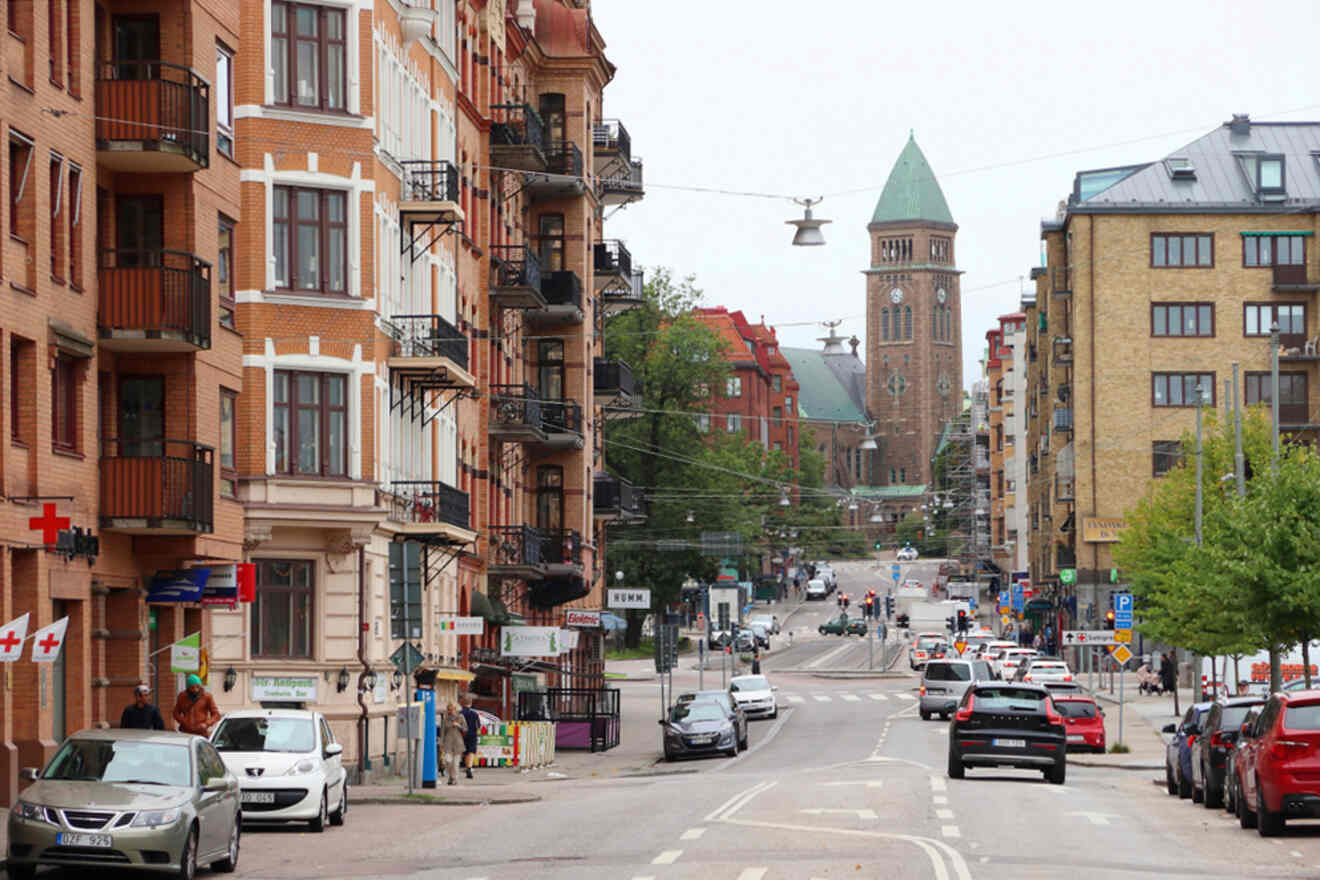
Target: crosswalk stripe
{"points": [[850, 698], [881, 697], [794, 698], [752, 874], [907, 696], [822, 698], [668, 857], [692, 834]]}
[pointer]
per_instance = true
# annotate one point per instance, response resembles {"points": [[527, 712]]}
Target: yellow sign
{"points": [[1004, 618], [1120, 653], [1102, 529], [1123, 636], [959, 646]]}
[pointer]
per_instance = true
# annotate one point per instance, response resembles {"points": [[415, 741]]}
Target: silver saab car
{"points": [[142, 799]]}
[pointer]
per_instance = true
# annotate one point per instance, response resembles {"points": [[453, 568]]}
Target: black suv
{"points": [[1008, 725], [1219, 734]]}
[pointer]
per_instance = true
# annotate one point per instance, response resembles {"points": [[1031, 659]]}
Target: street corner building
{"points": [[1158, 277]]}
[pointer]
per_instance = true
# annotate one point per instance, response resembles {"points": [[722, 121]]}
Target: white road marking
{"points": [[647, 877], [850, 698], [752, 874], [794, 698], [871, 784], [1295, 854], [829, 655], [939, 800], [692, 834], [906, 697], [944, 814], [738, 801], [943, 731], [668, 857], [950, 831], [822, 698], [984, 859], [881, 697], [1096, 818], [937, 783], [860, 814]]}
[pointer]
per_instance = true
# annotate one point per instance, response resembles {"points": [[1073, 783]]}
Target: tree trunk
{"points": [[1306, 659], [1176, 711], [1276, 673]]}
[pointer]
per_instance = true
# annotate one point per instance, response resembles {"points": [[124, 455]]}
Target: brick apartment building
{"points": [[121, 357], [1159, 276], [760, 394], [1006, 381]]}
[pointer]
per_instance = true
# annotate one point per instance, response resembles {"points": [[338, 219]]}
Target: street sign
{"points": [[895, 570], [1122, 611], [1121, 653], [1123, 636], [1075, 637], [959, 646], [1019, 600], [629, 599]]}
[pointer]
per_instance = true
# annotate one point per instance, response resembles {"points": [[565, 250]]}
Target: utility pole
{"points": [[1239, 461], [1200, 399], [1276, 672]]}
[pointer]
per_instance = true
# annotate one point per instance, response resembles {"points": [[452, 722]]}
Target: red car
{"points": [[1278, 764], [1083, 720]]}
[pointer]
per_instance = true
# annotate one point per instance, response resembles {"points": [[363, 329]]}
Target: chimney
{"points": [[854, 342], [1240, 124], [527, 15]]}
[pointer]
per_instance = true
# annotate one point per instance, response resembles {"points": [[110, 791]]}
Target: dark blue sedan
{"points": [[1178, 753]]}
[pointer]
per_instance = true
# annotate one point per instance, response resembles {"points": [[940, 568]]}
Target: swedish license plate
{"points": [[258, 797], [701, 740], [73, 838], [1076, 738], [1010, 743]]}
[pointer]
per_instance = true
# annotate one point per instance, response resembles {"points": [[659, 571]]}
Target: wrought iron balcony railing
{"points": [[612, 257], [562, 289], [152, 117], [427, 336], [428, 501], [516, 125], [429, 180], [609, 136], [148, 299], [514, 265]]}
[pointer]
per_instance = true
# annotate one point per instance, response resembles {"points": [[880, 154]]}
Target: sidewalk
{"points": [[1143, 717]]}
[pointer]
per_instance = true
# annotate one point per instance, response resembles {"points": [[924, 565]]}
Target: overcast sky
{"points": [[806, 99]]}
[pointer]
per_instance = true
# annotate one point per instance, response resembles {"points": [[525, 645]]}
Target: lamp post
{"points": [[1274, 387]]}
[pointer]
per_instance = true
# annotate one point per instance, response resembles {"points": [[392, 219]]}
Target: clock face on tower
{"points": [[895, 296], [941, 295]]}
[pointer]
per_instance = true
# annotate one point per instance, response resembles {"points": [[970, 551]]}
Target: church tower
{"points": [[913, 321]]}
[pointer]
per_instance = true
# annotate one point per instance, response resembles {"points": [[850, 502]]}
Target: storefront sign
{"points": [[222, 586], [630, 599], [184, 585], [568, 640], [590, 619], [463, 626], [300, 689], [1102, 529], [529, 641]]}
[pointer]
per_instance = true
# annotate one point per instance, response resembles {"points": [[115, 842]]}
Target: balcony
{"points": [[1064, 488], [157, 487], [612, 382], [1063, 350], [610, 141], [614, 498], [623, 186], [517, 137], [430, 192], [516, 552], [1293, 279], [515, 277], [563, 174], [562, 292], [429, 352], [613, 265], [1063, 420], [428, 510], [621, 299], [152, 118], [1061, 281], [518, 415], [561, 551], [153, 301]]}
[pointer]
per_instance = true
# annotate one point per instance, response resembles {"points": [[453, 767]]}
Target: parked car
{"points": [[926, 647], [762, 634], [1245, 734], [1279, 770], [143, 799], [1209, 752], [1177, 753], [943, 683], [843, 625], [826, 574], [1083, 719], [745, 641], [288, 765], [769, 621], [1043, 670], [725, 699], [1008, 725], [816, 589], [1011, 659], [907, 554], [754, 695], [699, 727]]}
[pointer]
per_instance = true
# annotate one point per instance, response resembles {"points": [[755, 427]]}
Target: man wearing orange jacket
{"points": [[194, 709]]}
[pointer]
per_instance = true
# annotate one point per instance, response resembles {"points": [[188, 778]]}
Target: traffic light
{"points": [[889, 606], [846, 601], [877, 545], [870, 607], [1109, 619], [949, 623], [903, 621], [963, 622]]}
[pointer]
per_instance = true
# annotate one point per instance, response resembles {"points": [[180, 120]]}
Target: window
{"points": [[405, 590], [1270, 176], [551, 241], [790, 437], [733, 386], [20, 198], [308, 55], [58, 259], [1171, 250], [64, 403], [907, 322], [884, 324], [1292, 394], [1273, 250], [224, 99], [703, 422], [777, 383], [16, 347], [777, 413], [311, 423], [228, 437], [1179, 389], [282, 612], [1182, 319], [54, 29], [902, 475], [1165, 456], [550, 498], [779, 446], [1257, 318], [73, 221], [224, 270], [788, 407], [733, 423], [311, 232]]}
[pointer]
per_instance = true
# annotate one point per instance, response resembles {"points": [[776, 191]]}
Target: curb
{"points": [[842, 673], [1128, 766], [451, 802]]}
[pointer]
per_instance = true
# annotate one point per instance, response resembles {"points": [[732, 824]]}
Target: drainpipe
{"points": [[1095, 490], [364, 730]]}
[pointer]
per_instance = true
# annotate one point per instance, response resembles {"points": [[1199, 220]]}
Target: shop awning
{"points": [[492, 610], [450, 674]]}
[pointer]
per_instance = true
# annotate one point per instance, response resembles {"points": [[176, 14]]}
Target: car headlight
{"points": [[153, 818], [35, 812], [303, 767], [727, 734]]}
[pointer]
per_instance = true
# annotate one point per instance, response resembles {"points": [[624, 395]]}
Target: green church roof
{"points": [[912, 192]]}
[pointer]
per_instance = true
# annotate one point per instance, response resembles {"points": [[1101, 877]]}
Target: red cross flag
{"points": [[47, 641], [12, 636]]}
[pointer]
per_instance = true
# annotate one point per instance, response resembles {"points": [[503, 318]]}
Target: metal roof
{"points": [[912, 192], [828, 385]]}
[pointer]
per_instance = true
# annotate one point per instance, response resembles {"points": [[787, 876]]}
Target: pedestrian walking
{"points": [[473, 722], [1168, 674], [756, 662], [142, 715], [194, 709], [452, 730]]}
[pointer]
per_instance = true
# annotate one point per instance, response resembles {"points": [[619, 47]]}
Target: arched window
{"points": [[948, 322], [902, 475], [934, 321], [907, 322], [884, 324], [893, 476]]}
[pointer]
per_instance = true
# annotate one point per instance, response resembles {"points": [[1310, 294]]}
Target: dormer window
{"points": [[1180, 168], [1270, 175]]}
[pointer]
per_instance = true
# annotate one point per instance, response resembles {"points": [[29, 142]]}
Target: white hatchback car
{"points": [[754, 695], [907, 554], [288, 765]]}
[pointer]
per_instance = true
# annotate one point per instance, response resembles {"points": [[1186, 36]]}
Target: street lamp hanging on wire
{"points": [[808, 228]]}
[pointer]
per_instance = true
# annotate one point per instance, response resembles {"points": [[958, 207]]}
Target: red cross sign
{"points": [[49, 524], [10, 641], [49, 643]]}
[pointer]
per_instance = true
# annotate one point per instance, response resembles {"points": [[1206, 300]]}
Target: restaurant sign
{"points": [[1102, 529]]}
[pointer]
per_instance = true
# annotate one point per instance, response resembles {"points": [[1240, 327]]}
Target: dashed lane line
{"points": [[944, 814], [752, 874], [794, 698], [879, 697], [950, 831], [937, 784], [907, 696], [668, 857], [692, 834], [939, 800], [821, 698], [850, 698]]}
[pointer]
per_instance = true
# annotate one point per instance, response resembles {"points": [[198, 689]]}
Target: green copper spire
{"points": [[912, 192]]}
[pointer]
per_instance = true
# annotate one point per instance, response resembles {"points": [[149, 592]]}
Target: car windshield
{"points": [[699, 711], [1305, 716], [1076, 708], [265, 735], [705, 697], [106, 760], [750, 683], [1234, 716], [1008, 698], [928, 642], [1048, 667], [948, 672]]}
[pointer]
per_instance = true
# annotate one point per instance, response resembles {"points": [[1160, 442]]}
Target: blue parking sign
{"points": [[1019, 600], [896, 571]]}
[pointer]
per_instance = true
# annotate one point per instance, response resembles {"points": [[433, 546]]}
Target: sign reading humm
{"points": [[629, 599], [1102, 529], [529, 641]]}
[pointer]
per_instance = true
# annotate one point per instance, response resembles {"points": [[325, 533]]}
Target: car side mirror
{"points": [[334, 749], [29, 773], [1170, 728], [216, 783], [660, 721]]}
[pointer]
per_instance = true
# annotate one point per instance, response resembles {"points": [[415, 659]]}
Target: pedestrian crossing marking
{"points": [[752, 874], [850, 698], [822, 698], [881, 697], [907, 696], [794, 698], [668, 857], [692, 834]]}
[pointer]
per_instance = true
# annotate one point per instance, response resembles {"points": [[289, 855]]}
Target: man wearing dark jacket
{"points": [[470, 736], [142, 715]]}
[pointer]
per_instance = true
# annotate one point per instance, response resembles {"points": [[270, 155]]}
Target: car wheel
{"points": [[319, 823], [1230, 798], [1267, 824], [1184, 785], [733, 752], [956, 768], [742, 744], [925, 716], [1197, 794], [21, 872], [775, 714], [188, 858], [1246, 818], [1058, 774], [230, 861], [341, 812], [1212, 798]]}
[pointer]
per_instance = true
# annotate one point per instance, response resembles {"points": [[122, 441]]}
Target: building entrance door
{"points": [[58, 715]]}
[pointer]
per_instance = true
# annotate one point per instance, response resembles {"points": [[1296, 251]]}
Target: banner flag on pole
{"points": [[48, 641], [186, 654], [12, 636]]}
